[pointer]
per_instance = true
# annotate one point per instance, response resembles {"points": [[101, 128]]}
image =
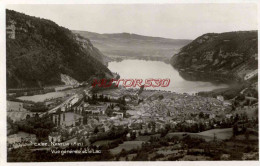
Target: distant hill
{"points": [[126, 46], [39, 51], [233, 54]]}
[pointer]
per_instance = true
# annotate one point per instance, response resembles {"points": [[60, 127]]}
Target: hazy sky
{"points": [[182, 21]]}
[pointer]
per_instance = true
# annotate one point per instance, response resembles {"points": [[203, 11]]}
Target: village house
{"points": [[221, 98], [116, 108], [67, 119], [85, 105], [97, 110], [190, 121], [54, 137], [212, 116], [128, 99], [118, 114], [128, 135], [251, 99], [228, 116], [251, 74], [227, 103], [13, 139]]}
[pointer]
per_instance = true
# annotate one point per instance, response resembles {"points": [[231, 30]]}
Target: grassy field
{"points": [[221, 134], [250, 113], [127, 145], [15, 106], [18, 115], [102, 142], [146, 138], [194, 158], [251, 137]]}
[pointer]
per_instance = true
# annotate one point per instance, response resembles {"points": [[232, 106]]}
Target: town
{"points": [[110, 119]]}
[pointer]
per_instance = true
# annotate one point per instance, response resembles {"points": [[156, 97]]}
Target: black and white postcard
{"points": [[125, 82]]}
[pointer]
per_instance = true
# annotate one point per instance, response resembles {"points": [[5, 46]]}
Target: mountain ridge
{"points": [[133, 46], [126, 34]]}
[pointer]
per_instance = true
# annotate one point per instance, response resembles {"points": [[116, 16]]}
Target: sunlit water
{"points": [[42, 97], [141, 69]]}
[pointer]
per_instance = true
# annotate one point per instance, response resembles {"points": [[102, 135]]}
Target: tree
{"points": [[168, 113], [96, 130], [85, 119], [101, 97], [236, 118], [201, 115], [201, 127], [28, 116], [133, 135], [141, 156], [160, 97], [235, 130], [149, 126], [37, 116], [153, 126], [65, 134], [122, 100], [215, 137], [164, 132], [247, 135]]}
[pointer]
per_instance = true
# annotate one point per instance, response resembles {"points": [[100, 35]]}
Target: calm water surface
{"points": [[141, 69], [42, 97]]}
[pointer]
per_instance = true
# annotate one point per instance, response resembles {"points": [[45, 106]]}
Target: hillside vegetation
{"points": [[42, 50], [231, 53]]}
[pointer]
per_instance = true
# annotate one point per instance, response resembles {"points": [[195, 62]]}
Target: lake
{"points": [[141, 69], [43, 97]]}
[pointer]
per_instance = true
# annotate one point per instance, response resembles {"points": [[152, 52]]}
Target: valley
{"points": [[209, 111], [122, 46]]}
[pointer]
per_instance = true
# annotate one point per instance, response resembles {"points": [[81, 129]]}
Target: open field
{"points": [[21, 136], [127, 145], [252, 113], [18, 115], [194, 158], [221, 134], [147, 137], [15, 106], [102, 142], [251, 137]]}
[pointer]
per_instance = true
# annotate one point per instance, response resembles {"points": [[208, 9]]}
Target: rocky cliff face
{"points": [[39, 50], [94, 52], [67, 80], [231, 53]]}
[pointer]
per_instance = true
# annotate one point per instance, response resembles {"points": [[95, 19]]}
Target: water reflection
{"points": [[141, 69]]}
